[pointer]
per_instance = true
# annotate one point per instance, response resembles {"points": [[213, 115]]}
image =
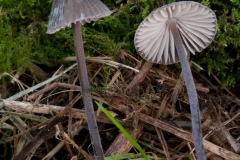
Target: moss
{"points": [[23, 25], [222, 57]]}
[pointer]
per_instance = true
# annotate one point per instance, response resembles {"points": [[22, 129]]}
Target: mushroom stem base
{"points": [[87, 99], [191, 90]]}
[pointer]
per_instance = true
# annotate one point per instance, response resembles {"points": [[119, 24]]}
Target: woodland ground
{"points": [[153, 107]]}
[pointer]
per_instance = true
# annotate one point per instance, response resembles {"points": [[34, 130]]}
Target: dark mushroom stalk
{"points": [[87, 99], [74, 13], [191, 90], [178, 27]]}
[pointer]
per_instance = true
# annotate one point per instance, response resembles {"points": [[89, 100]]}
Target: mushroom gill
{"points": [[195, 22], [66, 12]]}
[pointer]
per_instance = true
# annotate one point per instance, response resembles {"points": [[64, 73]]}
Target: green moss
{"points": [[222, 57], [23, 39]]}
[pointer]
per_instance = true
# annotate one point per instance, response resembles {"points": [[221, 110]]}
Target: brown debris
{"points": [[141, 75], [158, 118]]}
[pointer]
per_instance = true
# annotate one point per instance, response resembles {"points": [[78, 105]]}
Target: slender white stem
{"points": [[191, 90]]}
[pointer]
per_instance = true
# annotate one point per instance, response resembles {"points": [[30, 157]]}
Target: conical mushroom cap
{"points": [[195, 22], [66, 12]]}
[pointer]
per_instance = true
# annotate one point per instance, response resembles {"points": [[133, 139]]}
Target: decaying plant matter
{"points": [[135, 112]]}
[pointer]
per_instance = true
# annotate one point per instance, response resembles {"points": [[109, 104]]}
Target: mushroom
{"points": [[67, 13], [178, 27]]}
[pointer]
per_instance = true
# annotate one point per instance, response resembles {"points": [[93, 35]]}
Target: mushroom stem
{"points": [[191, 90], [87, 99]]}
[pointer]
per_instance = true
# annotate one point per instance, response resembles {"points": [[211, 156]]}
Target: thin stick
{"points": [[87, 99], [191, 90], [44, 134], [22, 93]]}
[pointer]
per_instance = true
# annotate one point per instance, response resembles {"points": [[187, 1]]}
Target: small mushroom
{"points": [[178, 27], [67, 13]]}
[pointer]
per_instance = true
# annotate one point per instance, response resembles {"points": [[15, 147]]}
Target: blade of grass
{"points": [[131, 156], [121, 156], [120, 127]]}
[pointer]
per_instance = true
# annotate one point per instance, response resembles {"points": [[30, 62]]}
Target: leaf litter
{"points": [[150, 101]]}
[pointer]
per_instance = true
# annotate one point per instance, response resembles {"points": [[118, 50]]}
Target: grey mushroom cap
{"points": [[65, 12], [196, 24]]}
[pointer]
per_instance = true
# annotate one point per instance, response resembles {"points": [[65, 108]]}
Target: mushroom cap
{"points": [[66, 12], [196, 24]]}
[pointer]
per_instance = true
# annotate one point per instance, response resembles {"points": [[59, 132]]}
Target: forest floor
{"points": [[150, 101]]}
